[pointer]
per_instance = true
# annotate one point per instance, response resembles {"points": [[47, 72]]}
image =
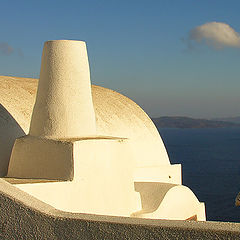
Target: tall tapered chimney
{"points": [[63, 107]]}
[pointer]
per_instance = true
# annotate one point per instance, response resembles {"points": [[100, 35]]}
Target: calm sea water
{"points": [[210, 161]]}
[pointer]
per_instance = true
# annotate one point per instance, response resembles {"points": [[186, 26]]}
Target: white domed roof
{"points": [[116, 115]]}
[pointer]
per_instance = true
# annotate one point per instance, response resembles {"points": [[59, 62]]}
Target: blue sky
{"points": [[139, 48]]}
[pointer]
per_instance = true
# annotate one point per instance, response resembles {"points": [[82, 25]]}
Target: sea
{"points": [[210, 161]]}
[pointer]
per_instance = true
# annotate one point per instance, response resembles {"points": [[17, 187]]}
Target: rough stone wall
{"points": [[24, 217]]}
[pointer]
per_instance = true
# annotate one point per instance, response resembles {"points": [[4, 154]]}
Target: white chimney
{"points": [[63, 107]]}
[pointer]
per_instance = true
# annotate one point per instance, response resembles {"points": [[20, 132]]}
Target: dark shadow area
{"points": [[9, 131]]}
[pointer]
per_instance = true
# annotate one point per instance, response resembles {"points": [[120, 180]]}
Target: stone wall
{"points": [[25, 217]]}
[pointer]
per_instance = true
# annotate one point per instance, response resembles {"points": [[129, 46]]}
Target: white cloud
{"points": [[215, 34]]}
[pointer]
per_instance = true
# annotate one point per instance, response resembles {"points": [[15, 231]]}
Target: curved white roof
{"points": [[116, 115]]}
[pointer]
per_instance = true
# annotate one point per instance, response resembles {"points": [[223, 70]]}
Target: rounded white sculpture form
{"points": [[63, 107]]}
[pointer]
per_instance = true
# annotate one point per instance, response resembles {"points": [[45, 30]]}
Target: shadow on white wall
{"points": [[9, 131]]}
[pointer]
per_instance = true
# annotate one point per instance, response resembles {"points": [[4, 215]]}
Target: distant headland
{"points": [[187, 122]]}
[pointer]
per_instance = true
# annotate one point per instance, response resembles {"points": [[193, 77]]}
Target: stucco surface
{"points": [[17, 97], [24, 217], [63, 107], [102, 183], [168, 201], [53, 161]]}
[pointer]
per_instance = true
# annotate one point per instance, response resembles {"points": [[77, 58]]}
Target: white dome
{"points": [[116, 115]]}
